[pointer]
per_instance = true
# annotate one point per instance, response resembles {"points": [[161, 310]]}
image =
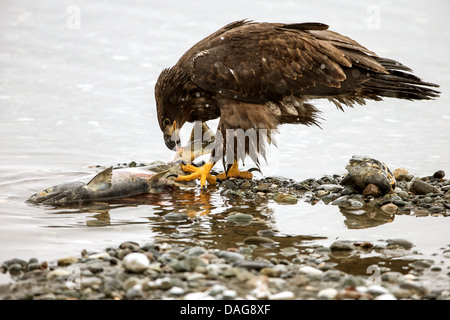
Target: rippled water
{"points": [[73, 96]]}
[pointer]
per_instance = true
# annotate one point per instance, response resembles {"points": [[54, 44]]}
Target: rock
{"points": [[240, 218], [284, 295], [342, 245], [400, 242], [58, 272], [15, 269], [377, 290], [176, 216], [439, 174], [176, 291], [263, 187], [257, 265], [389, 208], [230, 256], [67, 261], [386, 296], [230, 184], [399, 172], [421, 188], [133, 246], [447, 195], [363, 171], [371, 190], [136, 262], [282, 198], [258, 240], [328, 293], [134, 292], [311, 271]]}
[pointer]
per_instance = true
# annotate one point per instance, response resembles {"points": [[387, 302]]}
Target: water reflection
{"points": [[191, 217]]}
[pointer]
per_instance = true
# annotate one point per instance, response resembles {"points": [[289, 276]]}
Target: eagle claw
{"points": [[202, 173]]}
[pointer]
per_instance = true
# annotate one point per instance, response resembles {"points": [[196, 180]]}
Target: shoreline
{"points": [[160, 270]]}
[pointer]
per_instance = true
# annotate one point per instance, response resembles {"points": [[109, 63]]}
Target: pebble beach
{"points": [[159, 270]]}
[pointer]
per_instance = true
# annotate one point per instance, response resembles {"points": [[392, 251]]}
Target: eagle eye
{"points": [[166, 122]]}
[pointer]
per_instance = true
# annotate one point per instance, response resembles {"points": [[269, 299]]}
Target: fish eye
{"points": [[166, 122]]}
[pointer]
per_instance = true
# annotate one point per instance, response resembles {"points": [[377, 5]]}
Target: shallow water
{"points": [[76, 95]]}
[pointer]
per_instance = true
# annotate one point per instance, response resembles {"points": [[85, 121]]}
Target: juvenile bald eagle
{"points": [[261, 75]]}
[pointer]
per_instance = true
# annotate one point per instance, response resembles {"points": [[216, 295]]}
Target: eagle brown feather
{"points": [[260, 75]]}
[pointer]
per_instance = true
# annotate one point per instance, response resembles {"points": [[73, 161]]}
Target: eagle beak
{"points": [[172, 137]]}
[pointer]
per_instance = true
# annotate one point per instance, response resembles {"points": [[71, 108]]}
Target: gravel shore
{"points": [[160, 270]]}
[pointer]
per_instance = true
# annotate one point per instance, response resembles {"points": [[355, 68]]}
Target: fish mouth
{"points": [[47, 199]]}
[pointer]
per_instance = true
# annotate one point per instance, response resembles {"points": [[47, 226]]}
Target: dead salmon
{"points": [[112, 184]]}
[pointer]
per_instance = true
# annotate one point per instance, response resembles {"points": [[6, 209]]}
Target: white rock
{"points": [[328, 293], [284, 295], [101, 255], [229, 294], [198, 296], [59, 272], [386, 296], [310, 271], [176, 291], [136, 262], [376, 289]]}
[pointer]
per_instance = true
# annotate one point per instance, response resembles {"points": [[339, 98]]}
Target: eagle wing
{"points": [[265, 62]]}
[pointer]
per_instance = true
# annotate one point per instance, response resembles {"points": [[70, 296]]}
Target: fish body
{"points": [[111, 184]]}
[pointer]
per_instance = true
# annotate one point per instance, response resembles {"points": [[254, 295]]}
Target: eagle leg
{"points": [[202, 173], [234, 172]]}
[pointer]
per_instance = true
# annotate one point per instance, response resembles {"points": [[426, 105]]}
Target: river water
{"points": [[76, 91]]}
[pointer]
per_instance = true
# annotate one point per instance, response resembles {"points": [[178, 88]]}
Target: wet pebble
{"points": [[421, 188], [342, 245], [136, 262], [400, 242], [282, 198]]}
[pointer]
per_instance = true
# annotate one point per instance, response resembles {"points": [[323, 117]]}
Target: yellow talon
{"points": [[235, 173], [202, 173]]}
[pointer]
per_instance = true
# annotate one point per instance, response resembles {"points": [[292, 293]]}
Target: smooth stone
{"points": [[133, 246], [230, 256], [100, 255], [196, 251], [135, 292], [89, 282], [386, 296], [23, 263], [58, 272], [67, 261], [420, 187], [263, 187], [176, 291], [371, 190], [328, 293], [376, 289], [400, 242], [136, 262], [240, 218], [258, 240], [282, 198], [439, 174], [229, 294], [176, 216], [342, 245], [311, 271], [389, 208], [257, 265], [15, 269], [284, 295]]}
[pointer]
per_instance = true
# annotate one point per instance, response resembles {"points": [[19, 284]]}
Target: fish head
{"points": [[201, 142], [59, 194]]}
